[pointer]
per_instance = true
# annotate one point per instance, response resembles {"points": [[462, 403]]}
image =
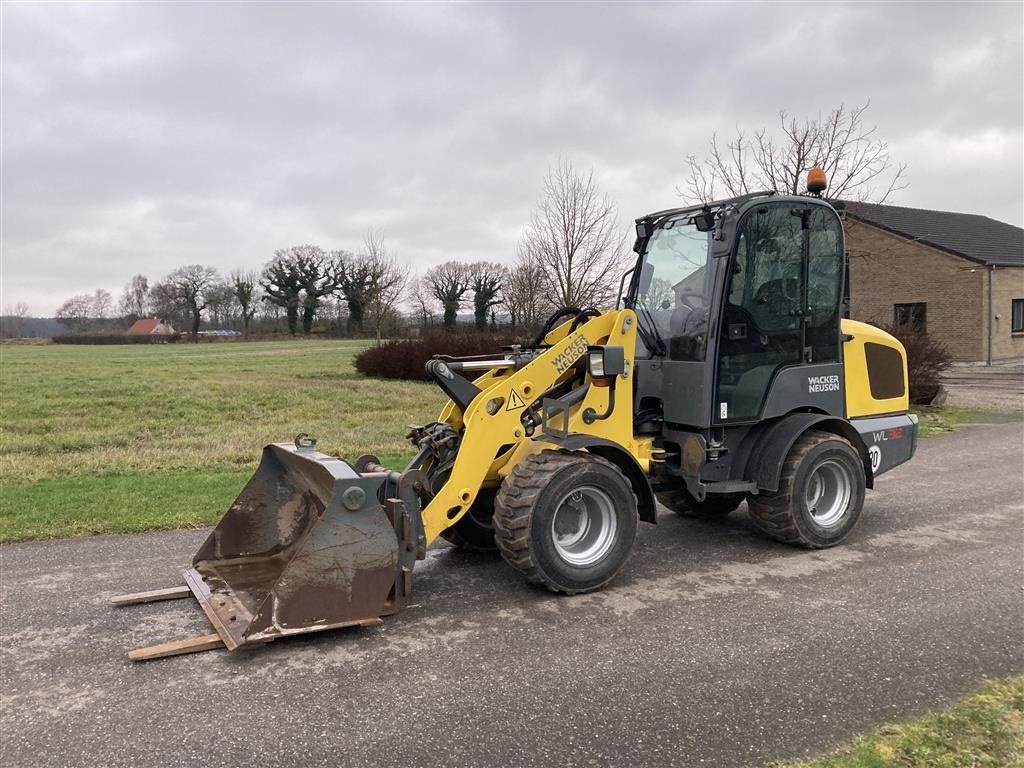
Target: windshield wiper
{"points": [[650, 336]]}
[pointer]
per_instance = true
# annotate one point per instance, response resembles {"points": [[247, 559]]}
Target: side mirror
{"points": [[646, 277]]}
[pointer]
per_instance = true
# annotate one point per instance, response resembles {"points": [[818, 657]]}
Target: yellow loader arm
{"points": [[494, 437]]}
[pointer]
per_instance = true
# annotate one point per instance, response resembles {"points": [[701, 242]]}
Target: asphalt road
{"points": [[714, 647]]}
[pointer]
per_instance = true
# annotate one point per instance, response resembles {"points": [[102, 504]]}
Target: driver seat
{"points": [[677, 323], [773, 302]]}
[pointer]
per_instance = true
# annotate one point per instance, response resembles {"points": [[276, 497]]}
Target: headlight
{"points": [[606, 362]]}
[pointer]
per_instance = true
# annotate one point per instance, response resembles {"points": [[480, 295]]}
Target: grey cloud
{"points": [[140, 137]]}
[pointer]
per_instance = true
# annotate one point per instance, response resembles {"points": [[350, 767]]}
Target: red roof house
{"points": [[150, 326]]}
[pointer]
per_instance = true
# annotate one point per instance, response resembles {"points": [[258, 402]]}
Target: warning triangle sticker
{"points": [[515, 402]]}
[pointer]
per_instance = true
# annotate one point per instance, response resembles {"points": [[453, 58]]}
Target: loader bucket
{"points": [[308, 545]]}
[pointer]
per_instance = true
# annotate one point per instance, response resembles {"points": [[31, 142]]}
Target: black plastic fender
{"points": [[621, 458], [764, 466]]}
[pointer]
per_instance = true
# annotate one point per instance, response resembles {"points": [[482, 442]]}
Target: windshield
{"points": [[675, 289]]}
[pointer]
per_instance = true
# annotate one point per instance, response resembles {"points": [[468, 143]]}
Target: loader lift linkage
{"points": [[727, 373]]}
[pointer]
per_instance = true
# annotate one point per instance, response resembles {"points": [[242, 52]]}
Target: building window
{"points": [[1017, 316], [911, 314]]}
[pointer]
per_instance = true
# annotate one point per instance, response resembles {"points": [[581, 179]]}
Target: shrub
{"points": [[927, 358], [114, 338], [406, 359]]}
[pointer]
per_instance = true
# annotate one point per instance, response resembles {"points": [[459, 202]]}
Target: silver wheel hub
{"points": [[828, 492], [584, 526]]}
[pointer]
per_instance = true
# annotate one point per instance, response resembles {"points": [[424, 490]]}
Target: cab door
{"points": [[781, 303]]}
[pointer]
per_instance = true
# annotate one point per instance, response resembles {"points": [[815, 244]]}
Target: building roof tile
{"points": [[969, 235], [145, 325]]}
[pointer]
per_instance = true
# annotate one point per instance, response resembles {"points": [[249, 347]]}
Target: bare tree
{"points": [[300, 276], [245, 287], [269, 313], [334, 313], [486, 280], [281, 288], [164, 303], [134, 299], [13, 320], [317, 276], [220, 303], [387, 280], [526, 297], [188, 289], [449, 283], [76, 313], [102, 303], [857, 163], [574, 236], [422, 300], [356, 280]]}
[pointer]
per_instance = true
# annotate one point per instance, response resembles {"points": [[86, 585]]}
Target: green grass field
{"points": [[97, 439]]}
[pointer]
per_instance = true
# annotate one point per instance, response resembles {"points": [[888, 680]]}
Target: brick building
{"points": [[960, 275]]}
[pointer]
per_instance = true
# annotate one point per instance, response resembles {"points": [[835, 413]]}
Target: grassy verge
{"points": [[118, 439], [934, 420], [983, 730]]}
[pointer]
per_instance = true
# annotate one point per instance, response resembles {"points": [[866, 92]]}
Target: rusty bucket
{"points": [[308, 545]]}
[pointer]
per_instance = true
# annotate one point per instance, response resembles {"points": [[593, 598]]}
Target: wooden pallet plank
{"points": [[171, 593], [177, 647]]}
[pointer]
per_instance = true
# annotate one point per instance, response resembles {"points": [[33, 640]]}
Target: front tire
{"points": [[820, 496], [566, 520]]}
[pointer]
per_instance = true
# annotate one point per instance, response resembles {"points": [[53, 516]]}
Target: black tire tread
{"points": [[513, 509], [773, 513]]}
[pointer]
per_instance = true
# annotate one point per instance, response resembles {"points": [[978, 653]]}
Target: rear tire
{"points": [[566, 520], [713, 507], [820, 496], [474, 531]]}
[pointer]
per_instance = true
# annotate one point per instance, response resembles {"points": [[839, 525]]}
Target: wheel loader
{"points": [[726, 372]]}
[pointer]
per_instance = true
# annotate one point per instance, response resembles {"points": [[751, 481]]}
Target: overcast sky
{"points": [[141, 137]]}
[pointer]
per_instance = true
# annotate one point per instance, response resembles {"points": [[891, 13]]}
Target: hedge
{"points": [[406, 359], [115, 338]]}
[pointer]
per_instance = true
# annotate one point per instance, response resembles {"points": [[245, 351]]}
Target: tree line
{"points": [[571, 253]]}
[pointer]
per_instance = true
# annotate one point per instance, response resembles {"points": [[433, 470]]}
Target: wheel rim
{"points": [[584, 526], [828, 491]]}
